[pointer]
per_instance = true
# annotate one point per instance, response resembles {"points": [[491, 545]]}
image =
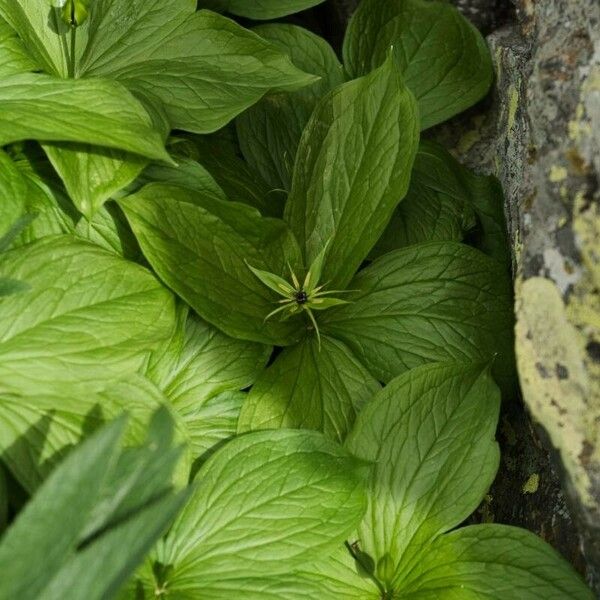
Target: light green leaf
{"points": [[305, 491], [312, 388], [260, 9], [443, 58], [91, 174], [213, 422], [187, 173], [41, 30], [433, 302], [89, 555], [352, 169], [203, 68], [269, 132], [38, 429], [95, 111], [338, 576], [430, 433], [13, 56], [495, 562], [109, 230], [437, 207], [199, 246], [201, 371], [86, 315]]}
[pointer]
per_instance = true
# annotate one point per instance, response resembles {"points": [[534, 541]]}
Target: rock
{"points": [[539, 132]]}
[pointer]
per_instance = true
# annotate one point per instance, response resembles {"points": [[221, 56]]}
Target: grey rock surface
{"points": [[539, 132]]}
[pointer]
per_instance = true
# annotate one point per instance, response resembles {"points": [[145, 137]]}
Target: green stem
{"points": [[72, 52]]}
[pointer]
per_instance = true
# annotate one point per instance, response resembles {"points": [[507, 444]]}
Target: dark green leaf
{"points": [[260, 9], [433, 302], [444, 59], [201, 247], [269, 132], [352, 169]]}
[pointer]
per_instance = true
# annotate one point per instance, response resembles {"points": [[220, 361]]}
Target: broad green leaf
{"points": [[87, 314], [45, 556], [443, 58], [312, 388], [200, 248], [269, 132], [235, 177], [13, 56], [187, 173], [92, 174], [109, 229], [430, 433], [41, 30], [197, 368], [352, 169], [494, 562], [95, 111], [267, 504], [213, 422], [203, 68], [260, 9], [437, 207], [338, 576], [445, 199], [433, 302], [38, 429], [4, 507], [23, 192]]}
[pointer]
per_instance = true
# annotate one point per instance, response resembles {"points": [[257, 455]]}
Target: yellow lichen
{"points": [[532, 484], [557, 174]]}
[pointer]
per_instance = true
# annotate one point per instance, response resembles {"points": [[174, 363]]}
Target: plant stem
{"points": [[72, 52]]}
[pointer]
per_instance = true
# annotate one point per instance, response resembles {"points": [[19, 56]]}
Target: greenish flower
{"points": [[305, 297]]}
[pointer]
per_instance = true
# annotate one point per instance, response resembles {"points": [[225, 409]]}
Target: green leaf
{"points": [[42, 32], [8, 287], [23, 192], [95, 111], [445, 199], [437, 207], [444, 60], [86, 315], [310, 388], [433, 302], [352, 169], [273, 282], [91, 174], [261, 9], [203, 68], [495, 562], [197, 368], [187, 173], [13, 56], [14, 231], [213, 422], [430, 433], [109, 229], [235, 177], [200, 246], [45, 556], [38, 428], [269, 132], [306, 493]]}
